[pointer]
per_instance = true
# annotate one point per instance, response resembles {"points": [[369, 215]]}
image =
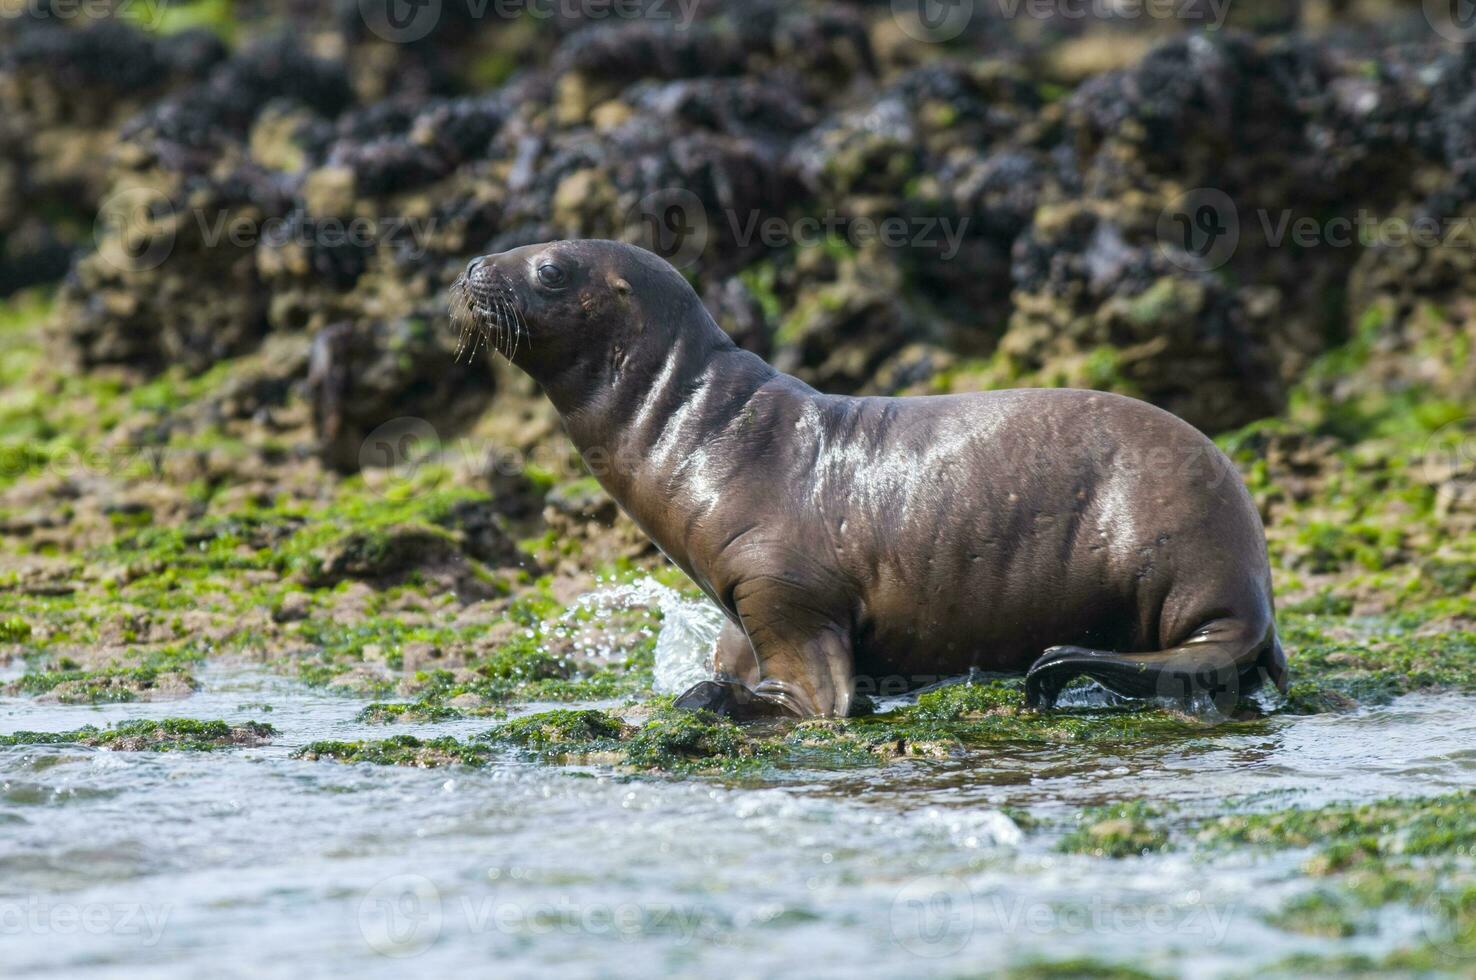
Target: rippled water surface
{"points": [[249, 863]]}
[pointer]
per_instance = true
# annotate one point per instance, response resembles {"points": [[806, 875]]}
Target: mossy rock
{"points": [[1117, 831], [380, 554], [110, 685], [166, 735], [381, 713], [14, 630], [401, 750]]}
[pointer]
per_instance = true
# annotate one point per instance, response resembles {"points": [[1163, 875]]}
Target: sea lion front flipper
{"points": [[730, 699], [1217, 664]]}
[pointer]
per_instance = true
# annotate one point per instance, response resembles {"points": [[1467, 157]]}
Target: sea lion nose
{"points": [[474, 265]]}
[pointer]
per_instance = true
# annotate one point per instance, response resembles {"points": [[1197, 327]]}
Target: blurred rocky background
{"points": [[235, 223]]}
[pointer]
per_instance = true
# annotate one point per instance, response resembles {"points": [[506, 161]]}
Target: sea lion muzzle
{"points": [[484, 310]]}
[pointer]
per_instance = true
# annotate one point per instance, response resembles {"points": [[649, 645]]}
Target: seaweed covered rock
{"points": [[146, 735], [848, 319], [395, 555], [820, 48], [688, 195], [1093, 308], [183, 132], [167, 285], [741, 314], [1184, 110], [761, 109], [63, 93], [174, 280], [484, 533]]}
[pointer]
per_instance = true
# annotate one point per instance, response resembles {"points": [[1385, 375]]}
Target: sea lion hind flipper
{"points": [[1199, 673]]}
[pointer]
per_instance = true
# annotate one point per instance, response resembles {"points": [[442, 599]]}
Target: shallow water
{"points": [[255, 864]]}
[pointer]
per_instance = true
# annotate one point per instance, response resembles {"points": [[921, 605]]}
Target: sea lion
{"points": [[1065, 532]]}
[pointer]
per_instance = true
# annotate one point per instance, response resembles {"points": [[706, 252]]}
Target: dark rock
{"points": [[484, 533], [362, 376]]}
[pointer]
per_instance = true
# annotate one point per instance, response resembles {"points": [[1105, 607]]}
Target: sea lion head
{"points": [[546, 307]]}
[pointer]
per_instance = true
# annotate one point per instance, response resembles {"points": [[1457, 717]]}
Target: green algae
{"points": [[1444, 825], [559, 731], [165, 735], [381, 713], [401, 750], [671, 741], [1389, 660], [948, 721], [1079, 968], [1324, 913], [674, 740], [1415, 853], [14, 630], [111, 685], [1117, 831]]}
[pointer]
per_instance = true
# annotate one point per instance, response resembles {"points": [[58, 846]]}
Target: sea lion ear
{"points": [[619, 284]]}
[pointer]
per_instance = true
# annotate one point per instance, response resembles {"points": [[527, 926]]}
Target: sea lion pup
{"points": [[897, 540]]}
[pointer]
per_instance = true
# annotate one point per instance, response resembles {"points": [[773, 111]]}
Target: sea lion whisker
{"points": [[521, 323], [464, 337], [520, 329], [504, 317], [509, 335], [503, 331], [462, 315]]}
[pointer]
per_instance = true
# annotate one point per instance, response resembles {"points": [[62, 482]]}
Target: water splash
{"points": [[686, 638]]}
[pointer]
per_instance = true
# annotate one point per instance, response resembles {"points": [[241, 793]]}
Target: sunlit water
{"points": [[249, 863]]}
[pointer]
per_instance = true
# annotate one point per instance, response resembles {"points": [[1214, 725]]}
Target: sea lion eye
{"points": [[552, 276]]}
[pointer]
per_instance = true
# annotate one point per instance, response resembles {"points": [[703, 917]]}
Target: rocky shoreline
{"points": [[233, 427]]}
